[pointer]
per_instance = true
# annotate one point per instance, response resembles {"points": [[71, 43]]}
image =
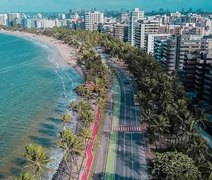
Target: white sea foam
{"points": [[37, 43], [9, 68], [57, 72], [56, 156]]}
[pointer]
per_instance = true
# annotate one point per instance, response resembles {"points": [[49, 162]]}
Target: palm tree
{"points": [[205, 167], [74, 105], [26, 176], [81, 90], [86, 117], [81, 106], [86, 134], [101, 102], [36, 159], [201, 117], [66, 118], [197, 147], [160, 126], [70, 144], [84, 106]]}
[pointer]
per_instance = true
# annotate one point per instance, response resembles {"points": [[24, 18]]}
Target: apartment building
{"points": [[3, 19], [203, 80], [142, 29], [188, 43], [166, 53], [150, 39], [120, 31], [93, 20], [134, 16]]}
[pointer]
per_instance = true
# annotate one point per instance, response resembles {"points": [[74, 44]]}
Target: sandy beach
{"points": [[68, 53]]}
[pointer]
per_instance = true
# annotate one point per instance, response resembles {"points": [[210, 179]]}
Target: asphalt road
{"points": [[130, 159], [130, 162]]}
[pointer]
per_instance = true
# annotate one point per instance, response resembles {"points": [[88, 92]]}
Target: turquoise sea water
{"points": [[34, 90]]}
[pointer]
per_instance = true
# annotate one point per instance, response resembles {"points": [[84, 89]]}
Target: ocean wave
{"points": [[52, 60], [37, 43], [9, 68]]}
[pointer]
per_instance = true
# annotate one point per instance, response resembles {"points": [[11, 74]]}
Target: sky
{"points": [[65, 5]]}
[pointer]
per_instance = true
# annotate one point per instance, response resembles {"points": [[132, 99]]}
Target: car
{"points": [[119, 148]]}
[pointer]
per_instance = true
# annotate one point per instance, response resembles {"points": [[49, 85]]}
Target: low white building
{"points": [[45, 23]]}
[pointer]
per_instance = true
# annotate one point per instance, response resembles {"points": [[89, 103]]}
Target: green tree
{"points": [[36, 159], [70, 144], [66, 118], [174, 166], [86, 134], [26, 176]]}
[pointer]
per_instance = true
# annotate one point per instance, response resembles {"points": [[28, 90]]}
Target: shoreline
{"points": [[66, 52]]}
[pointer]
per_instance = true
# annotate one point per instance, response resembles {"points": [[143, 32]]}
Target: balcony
{"points": [[199, 72], [199, 77], [207, 81], [207, 87], [206, 91], [197, 86], [208, 75], [205, 97], [199, 83], [199, 66]]}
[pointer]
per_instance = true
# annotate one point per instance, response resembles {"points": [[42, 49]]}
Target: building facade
{"points": [[120, 31], [142, 29], [151, 41], [134, 16], [93, 20], [166, 52]]}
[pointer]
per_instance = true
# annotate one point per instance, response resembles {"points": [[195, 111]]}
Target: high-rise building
{"points": [[189, 70], [197, 73], [151, 41], [3, 19], [134, 16], [12, 17], [142, 29], [45, 23], [207, 88], [26, 23], [202, 69], [120, 31], [188, 43], [108, 28], [166, 53], [93, 20], [62, 16], [124, 17]]}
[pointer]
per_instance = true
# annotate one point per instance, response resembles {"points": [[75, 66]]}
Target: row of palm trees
{"points": [[172, 121]]}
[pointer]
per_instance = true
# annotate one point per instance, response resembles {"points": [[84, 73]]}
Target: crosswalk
{"points": [[128, 129]]}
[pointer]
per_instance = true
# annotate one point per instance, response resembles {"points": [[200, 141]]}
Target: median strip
{"points": [[110, 166]]}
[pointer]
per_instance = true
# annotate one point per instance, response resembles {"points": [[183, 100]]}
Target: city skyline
{"points": [[65, 5]]}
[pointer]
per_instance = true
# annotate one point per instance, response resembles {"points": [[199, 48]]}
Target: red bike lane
{"points": [[89, 149]]}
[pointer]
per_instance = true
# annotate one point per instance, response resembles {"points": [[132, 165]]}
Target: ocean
{"points": [[35, 89]]}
